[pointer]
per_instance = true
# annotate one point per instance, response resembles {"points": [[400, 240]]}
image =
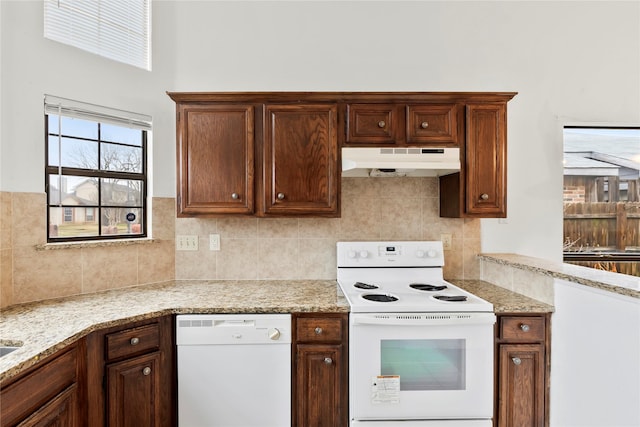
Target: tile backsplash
{"points": [[251, 248], [304, 248]]}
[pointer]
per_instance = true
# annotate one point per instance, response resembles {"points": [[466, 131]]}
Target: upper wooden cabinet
{"points": [[215, 155], [300, 152], [402, 124], [278, 153]]}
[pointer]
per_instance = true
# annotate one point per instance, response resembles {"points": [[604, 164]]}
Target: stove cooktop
{"points": [[400, 277]]}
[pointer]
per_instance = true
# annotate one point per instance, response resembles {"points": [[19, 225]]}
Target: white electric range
{"points": [[421, 349]]}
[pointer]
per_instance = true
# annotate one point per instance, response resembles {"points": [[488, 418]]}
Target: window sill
{"points": [[95, 244]]}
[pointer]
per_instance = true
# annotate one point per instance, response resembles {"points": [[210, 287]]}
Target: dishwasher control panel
{"points": [[233, 329]]}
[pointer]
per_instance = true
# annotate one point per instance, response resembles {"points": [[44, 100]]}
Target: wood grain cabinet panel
{"points": [[373, 124], [320, 373], [300, 160], [522, 370], [432, 124], [215, 159]]}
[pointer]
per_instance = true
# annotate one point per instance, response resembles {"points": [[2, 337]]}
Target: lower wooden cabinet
{"points": [[522, 371], [320, 374], [131, 375], [48, 394]]}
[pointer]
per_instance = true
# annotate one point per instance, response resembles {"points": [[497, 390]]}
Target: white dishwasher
{"points": [[234, 370]]}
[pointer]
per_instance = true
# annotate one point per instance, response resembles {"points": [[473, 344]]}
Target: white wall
{"points": [[574, 60], [595, 358]]}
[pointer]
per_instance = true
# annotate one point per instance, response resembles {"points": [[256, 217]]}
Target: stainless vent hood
{"points": [[414, 161]]}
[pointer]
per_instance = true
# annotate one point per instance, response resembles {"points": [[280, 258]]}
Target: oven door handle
{"points": [[429, 319]]}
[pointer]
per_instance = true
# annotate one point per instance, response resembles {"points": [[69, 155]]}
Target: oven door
{"points": [[412, 366]]}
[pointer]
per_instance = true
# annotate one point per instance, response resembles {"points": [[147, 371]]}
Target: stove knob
{"points": [[420, 253], [431, 253], [352, 254], [364, 254], [274, 334]]}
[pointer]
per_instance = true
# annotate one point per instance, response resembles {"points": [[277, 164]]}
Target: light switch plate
{"points": [[446, 241], [187, 243], [214, 242]]}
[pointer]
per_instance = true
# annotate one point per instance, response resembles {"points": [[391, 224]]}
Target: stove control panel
{"points": [[385, 254]]}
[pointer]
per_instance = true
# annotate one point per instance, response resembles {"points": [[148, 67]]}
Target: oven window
{"points": [[425, 364]]}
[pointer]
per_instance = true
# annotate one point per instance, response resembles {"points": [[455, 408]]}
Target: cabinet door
{"points": [[373, 124], [486, 159], [300, 157], [215, 159], [432, 124], [319, 378], [59, 412], [133, 392], [521, 385]]}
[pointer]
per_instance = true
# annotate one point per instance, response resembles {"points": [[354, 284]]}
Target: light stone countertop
{"points": [[44, 327], [622, 284]]}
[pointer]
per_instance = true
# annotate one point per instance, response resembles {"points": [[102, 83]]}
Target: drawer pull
{"points": [[424, 125], [318, 330], [484, 196], [135, 341], [381, 124], [235, 196], [516, 360], [280, 196], [524, 328], [146, 371], [328, 361]]}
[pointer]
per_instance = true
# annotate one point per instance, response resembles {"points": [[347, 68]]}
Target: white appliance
{"points": [[234, 370], [409, 161], [420, 348]]}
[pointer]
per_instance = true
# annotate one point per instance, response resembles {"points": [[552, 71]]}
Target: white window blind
{"points": [[116, 29]]}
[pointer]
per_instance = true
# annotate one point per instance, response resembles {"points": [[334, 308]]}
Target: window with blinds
{"points": [[115, 29], [96, 171]]}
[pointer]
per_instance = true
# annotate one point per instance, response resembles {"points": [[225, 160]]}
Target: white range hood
{"points": [[413, 161]]}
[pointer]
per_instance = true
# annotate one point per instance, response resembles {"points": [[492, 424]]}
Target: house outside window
{"points": [[96, 171], [601, 197]]}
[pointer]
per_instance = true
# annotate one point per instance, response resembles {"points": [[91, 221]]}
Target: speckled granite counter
{"points": [[503, 300], [613, 282], [47, 326]]}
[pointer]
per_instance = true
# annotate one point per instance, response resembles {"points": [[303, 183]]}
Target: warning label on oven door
{"points": [[385, 389]]}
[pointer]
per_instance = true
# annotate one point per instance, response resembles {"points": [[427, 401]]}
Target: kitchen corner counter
{"points": [[605, 280], [44, 327], [503, 300]]}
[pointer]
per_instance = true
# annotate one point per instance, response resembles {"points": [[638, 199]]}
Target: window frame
{"points": [[96, 115]]}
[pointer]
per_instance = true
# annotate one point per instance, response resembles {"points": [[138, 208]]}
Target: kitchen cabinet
{"points": [[215, 152], [522, 370], [131, 375], [300, 158], [256, 154], [48, 394], [398, 124], [480, 188], [320, 375]]}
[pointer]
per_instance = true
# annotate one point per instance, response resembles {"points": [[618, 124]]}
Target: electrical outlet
{"points": [[446, 241], [187, 243], [214, 242]]}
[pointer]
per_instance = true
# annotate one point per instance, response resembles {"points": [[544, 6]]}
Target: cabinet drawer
{"points": [[317, 329], [372, 123], [432, 124], [132, 341], [524, 328]]}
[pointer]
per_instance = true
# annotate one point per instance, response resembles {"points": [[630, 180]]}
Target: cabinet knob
{"points": [[318, 330], [280, 196], [135, 341], [516, 360], [235, 196], [146, 371], [524, 328], [328, 361], [484, 196], [424, 125], [382, 124]]}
